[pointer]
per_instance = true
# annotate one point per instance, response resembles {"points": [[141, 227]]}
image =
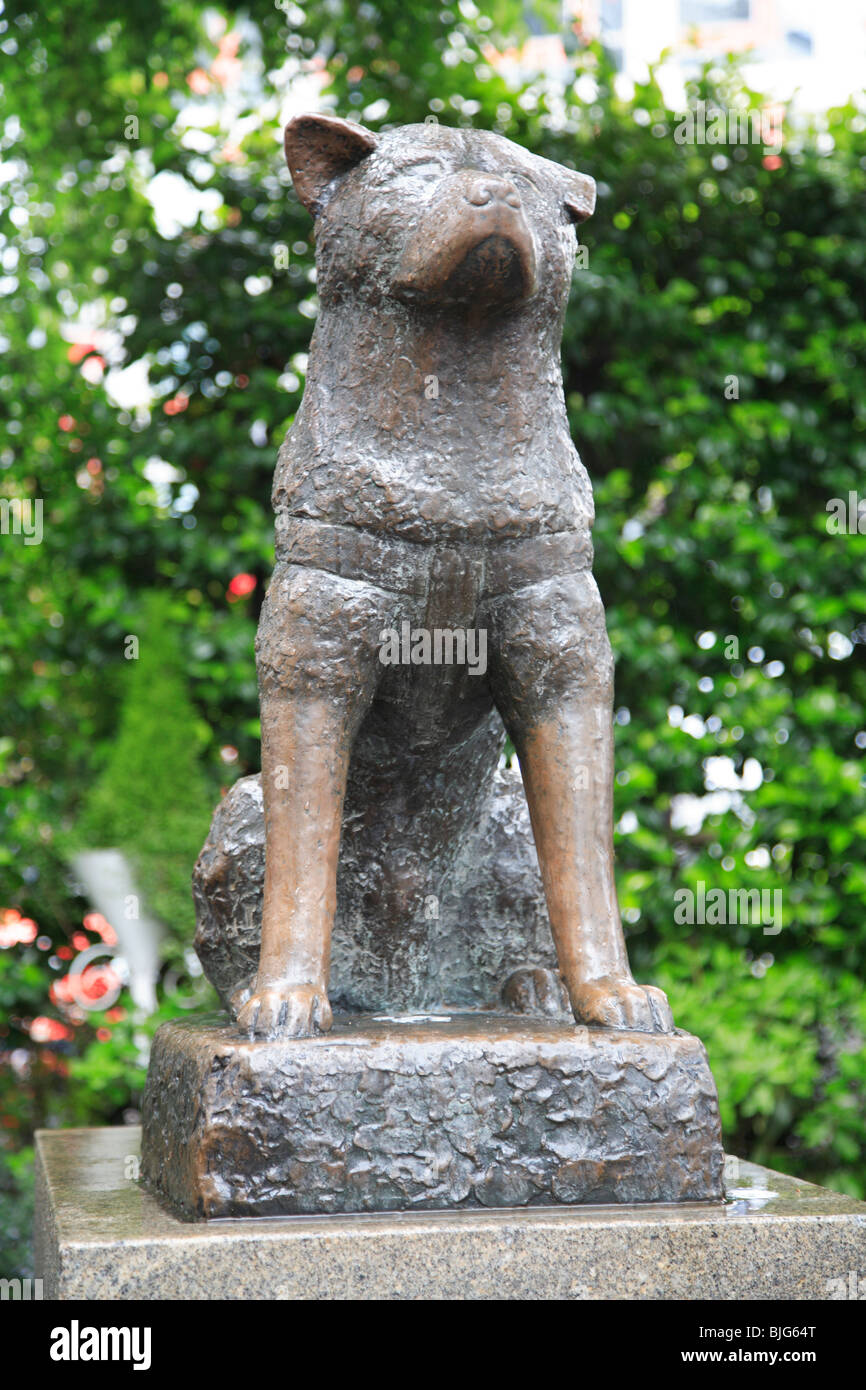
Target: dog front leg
{"points": [[305, 762], [567, 765], [318, 671], [552, 675]]}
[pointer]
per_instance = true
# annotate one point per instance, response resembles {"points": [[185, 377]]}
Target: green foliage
{"points": [[705, 263], [151, 799], [16, 1212]]}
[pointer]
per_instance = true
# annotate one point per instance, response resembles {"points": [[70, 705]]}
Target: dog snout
{"points": [[490, 189]]}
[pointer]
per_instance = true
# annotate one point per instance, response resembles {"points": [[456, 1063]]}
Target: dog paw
{"points": [[618, 1002], [240, 996], [286, 1011], [534, 990]]}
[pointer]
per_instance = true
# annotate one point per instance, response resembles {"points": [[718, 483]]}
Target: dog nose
{"points": [[490, 189]]}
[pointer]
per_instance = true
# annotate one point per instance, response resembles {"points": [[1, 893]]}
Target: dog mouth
{"points": [[473, 256], [494, 271]]}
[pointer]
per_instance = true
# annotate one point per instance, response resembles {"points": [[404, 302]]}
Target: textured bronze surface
{"points": [[477, 920], [428, 485], [429, 480], [464, 1111]]}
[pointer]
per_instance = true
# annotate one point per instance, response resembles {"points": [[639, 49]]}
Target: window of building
{"points": [[713, 11], [799, 42]]}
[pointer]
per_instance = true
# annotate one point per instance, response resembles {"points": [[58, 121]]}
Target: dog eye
{"points": [[424, 167], [524, 178]]}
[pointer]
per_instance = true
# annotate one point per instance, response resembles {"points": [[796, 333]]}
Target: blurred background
{"points": [[157, 295]]}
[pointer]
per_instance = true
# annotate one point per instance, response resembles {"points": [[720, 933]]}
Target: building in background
{"points": [[814, 48], [811, 53]]}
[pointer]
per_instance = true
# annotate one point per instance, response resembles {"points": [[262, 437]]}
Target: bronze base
{"points": [[415, 1112]]}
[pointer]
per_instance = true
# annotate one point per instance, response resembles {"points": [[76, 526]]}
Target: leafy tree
{"points": [[706, 263], [151, 799]]}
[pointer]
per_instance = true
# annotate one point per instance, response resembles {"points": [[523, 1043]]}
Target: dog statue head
{"points": [[434, 217]]}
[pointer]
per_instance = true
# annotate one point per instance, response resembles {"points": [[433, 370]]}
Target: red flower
{"points": [[66, 423], [80, 350], [94, 983], [772, 161], [241, 585], [61, 991], [16, 930], [198, 81], [95, 922], [49, 1030]]}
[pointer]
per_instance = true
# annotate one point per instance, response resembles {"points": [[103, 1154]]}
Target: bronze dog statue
{"points": [[429, 485]]}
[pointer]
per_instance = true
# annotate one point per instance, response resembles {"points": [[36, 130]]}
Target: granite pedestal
{"points": [[413, 1112], [101, 1235]]}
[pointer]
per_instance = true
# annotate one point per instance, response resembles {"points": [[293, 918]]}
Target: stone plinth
{"points": [[101, 1235], [412, 1113]]}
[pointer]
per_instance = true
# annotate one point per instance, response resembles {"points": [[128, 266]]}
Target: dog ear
{"points": [[318, 149], [579, 194]]}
